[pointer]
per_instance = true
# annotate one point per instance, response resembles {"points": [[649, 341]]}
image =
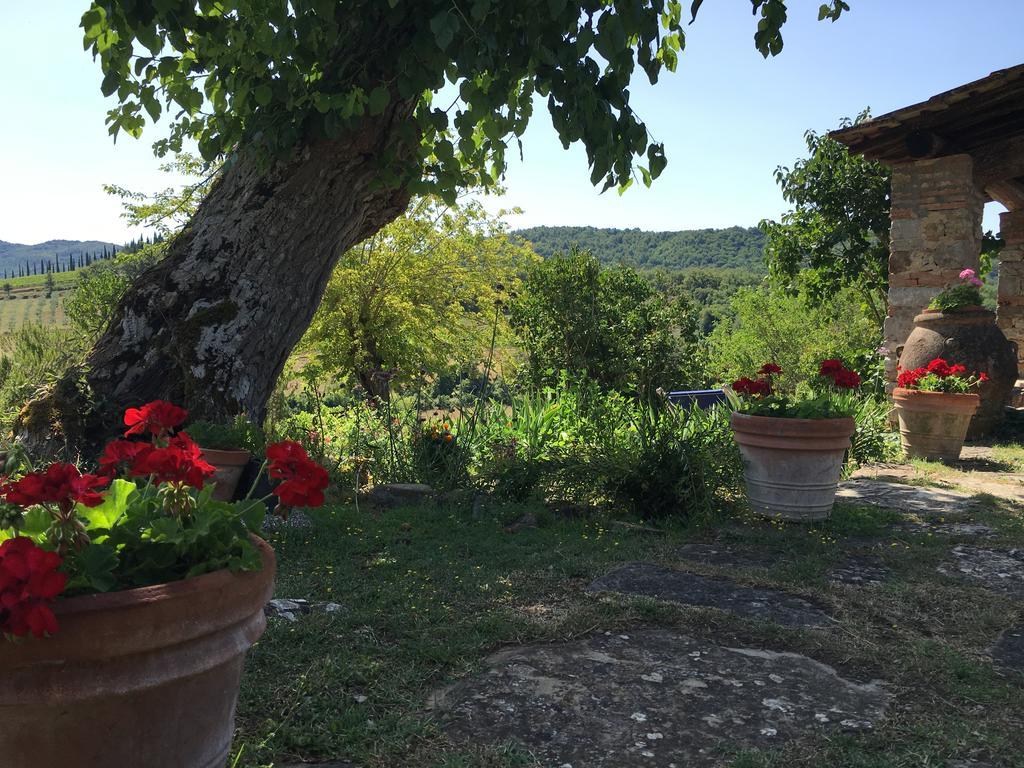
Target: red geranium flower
{"points": [[769, 369], [910, 379], [303, 481], [180, 461], [831, 367], [60, 484], [939, 367], [752, 387], [846, 379], [29, 582], [121, 455], [157, 418]]}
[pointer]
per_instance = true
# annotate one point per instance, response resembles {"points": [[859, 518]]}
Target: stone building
{"points": [[950, 155]]}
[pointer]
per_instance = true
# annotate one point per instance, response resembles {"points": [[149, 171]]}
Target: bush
{"points": [[609, 326], [771, 326]]}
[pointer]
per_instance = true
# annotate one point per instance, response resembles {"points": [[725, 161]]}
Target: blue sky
{"points": [[727, 116]]}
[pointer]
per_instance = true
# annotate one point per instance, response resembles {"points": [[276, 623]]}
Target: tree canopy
{"points": [[837, 234], [422, 293], [274, 74]]}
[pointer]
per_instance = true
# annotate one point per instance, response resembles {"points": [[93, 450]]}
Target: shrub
{"points": [[789, 331], [609, 326]]}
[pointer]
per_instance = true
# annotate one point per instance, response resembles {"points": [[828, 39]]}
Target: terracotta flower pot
{"points": [[792, 466], [230, 465], [969, 337], [144, 677], [933, 425]]}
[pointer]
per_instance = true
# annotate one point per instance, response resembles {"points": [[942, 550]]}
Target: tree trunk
{"points": [[212, 324]]}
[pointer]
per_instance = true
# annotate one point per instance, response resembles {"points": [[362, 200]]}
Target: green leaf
{"points": [[263, 94], [379, 100], [444, 26], [97, 563], [36, 522], [113, 508]]}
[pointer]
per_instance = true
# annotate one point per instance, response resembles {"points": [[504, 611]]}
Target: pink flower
{"points": [[967, 274]]}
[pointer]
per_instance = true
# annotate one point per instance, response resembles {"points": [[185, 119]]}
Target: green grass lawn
{"points": [[428, 592]]}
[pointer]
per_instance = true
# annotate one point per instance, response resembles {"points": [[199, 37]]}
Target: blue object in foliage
{"points": [[702, 398]]}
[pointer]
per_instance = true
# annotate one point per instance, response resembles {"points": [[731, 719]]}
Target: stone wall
{"points": [[936, 233], [1011, 280]]}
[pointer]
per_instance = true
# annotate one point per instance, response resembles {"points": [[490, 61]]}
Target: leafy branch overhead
{"points": [[457, 78]]}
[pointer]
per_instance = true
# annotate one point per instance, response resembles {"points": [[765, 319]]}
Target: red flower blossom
{"points": [[60, 484], [121, 455], [939, 367], [908, 379], [982, 377], [831, 367], [752, 387], [769, 369], [303, 481], [29, 582], [157, 418], [180, 461], [846, 379]]}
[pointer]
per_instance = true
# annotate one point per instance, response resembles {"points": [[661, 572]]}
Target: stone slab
{"points": [[727, 556], [1008, 652], [655, 581], [904, 498], [1001, 570], [651, 698], [859, 571]]}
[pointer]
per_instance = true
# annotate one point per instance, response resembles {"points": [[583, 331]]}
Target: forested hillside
{"points": [[66, 253], [735, 247]]}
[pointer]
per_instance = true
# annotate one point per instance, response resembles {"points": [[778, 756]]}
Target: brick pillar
{"points": [[936, 233], [1011, 280]]}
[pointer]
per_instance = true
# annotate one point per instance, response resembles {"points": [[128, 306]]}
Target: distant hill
{"points": [[735, 247], [15, 255]]}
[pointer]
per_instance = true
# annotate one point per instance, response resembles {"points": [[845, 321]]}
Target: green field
{"points": [[31, 307]]}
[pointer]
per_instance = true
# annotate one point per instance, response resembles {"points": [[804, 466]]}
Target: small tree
{"points": [[608, 325], [837, 234], [423, 293], [49, 284]]}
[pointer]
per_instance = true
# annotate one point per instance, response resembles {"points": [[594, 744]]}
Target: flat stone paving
{"points": [[1008, 651], [651, 698], [859, 571], [1001, 570], [727, 556], [655, 581], [904, 498]]}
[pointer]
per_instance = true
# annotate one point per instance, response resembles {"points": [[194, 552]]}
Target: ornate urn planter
{"points": [[933, 425], [792, 466], [143, 677], [968, 337], [230, 465]]}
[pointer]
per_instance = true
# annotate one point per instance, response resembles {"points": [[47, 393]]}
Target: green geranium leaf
{"points": [[97, 563], [113, 508]]}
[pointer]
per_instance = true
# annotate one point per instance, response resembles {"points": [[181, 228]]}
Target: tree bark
{"points": [[212, 324]]}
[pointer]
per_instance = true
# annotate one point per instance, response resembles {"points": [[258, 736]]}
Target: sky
{"points": [[727, 116]]}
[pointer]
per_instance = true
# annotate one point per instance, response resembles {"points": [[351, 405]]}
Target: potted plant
{"points": [[229, 448], [956, 328], [934, 405], [793, 445], [128, 598]]}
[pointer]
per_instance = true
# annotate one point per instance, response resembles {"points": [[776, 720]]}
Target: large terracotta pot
{"points": [[933, 425], [230, 465], [144, 678], [968, 337], [792, 466]]}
